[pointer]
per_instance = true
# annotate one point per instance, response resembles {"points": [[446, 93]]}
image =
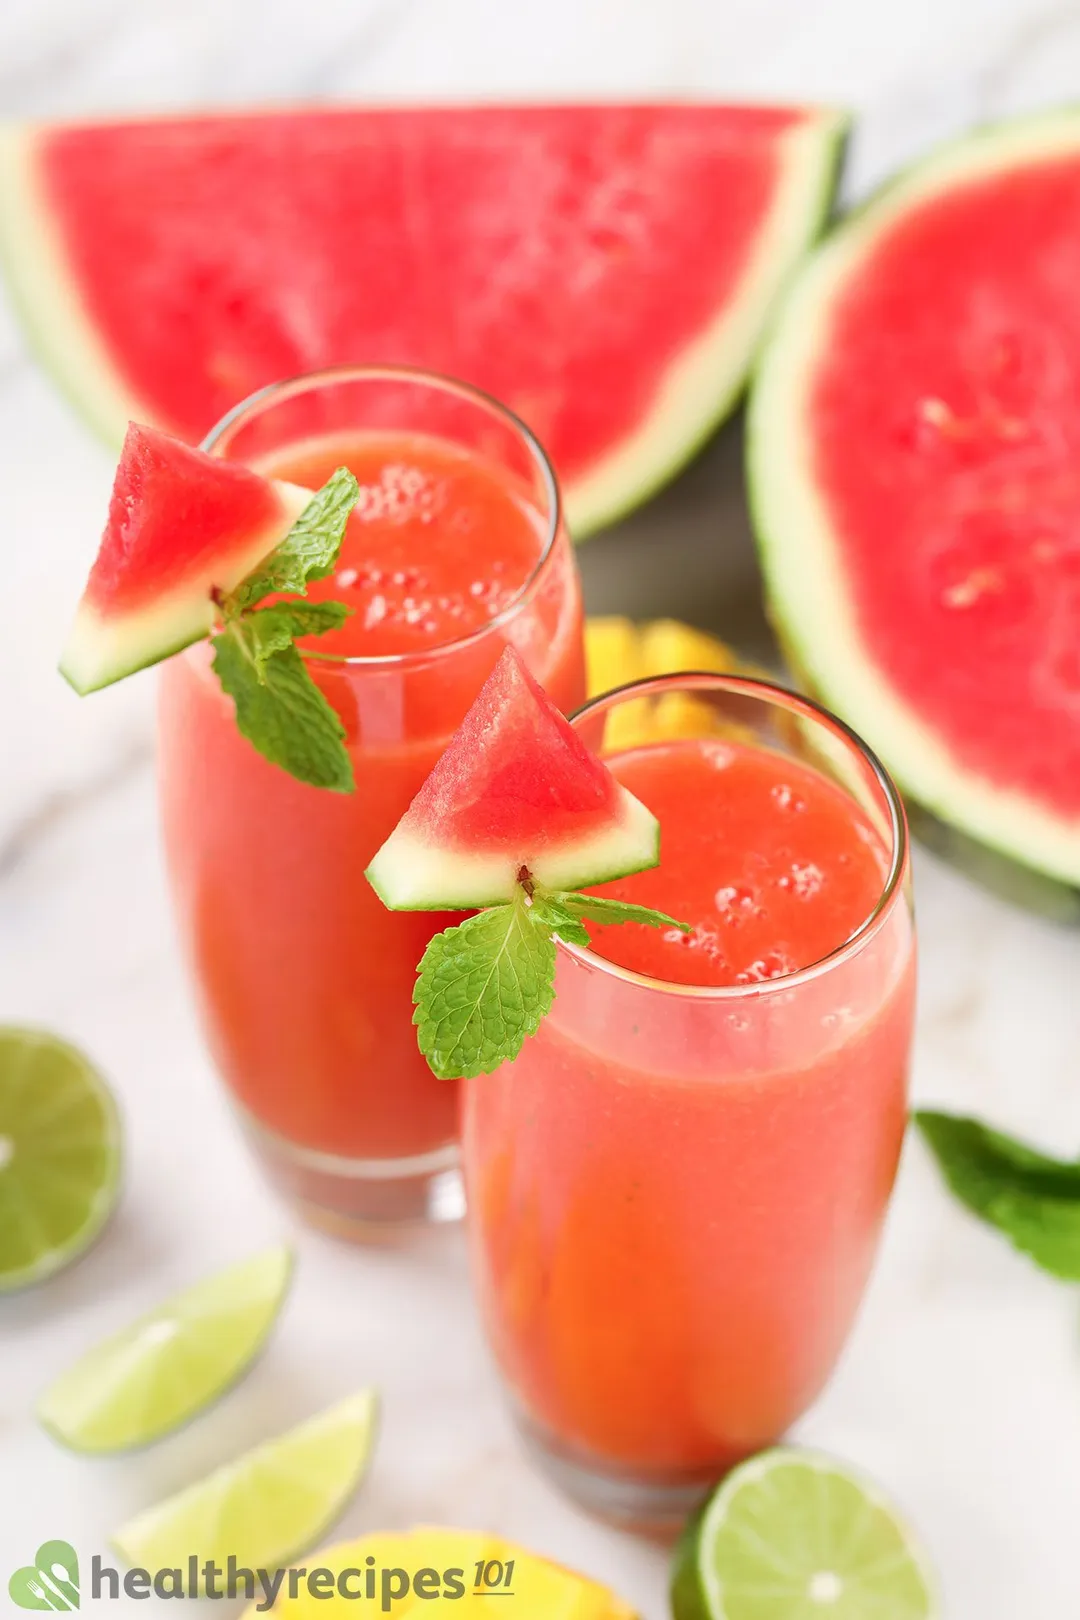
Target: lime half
{"points": [[792, 1535], [59, 1155], [160, 1371], [266, 1507]]}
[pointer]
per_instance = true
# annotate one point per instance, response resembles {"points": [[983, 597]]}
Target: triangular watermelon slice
{"points": [[607, 271], [182, 526], [515, 788]]}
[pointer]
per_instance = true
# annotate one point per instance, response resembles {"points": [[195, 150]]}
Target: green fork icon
{"points": [[51, 1581]]}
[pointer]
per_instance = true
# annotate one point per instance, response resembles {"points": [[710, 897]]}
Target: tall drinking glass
{"points": [[456, 547], [676, 1190]]}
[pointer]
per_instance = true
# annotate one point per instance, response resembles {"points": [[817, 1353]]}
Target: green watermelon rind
{"points": [[60, 333], [708, 380], [101, 650], [410, 873], [985, 829], [1011, 879], [700, 388]]}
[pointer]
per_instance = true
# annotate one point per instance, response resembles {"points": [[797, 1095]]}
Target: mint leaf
{"points": [[271, 629], [279, 709], [547, 912], [482, 988], [487, 984], [1032, 1199], [309, 550], [600, 910], [306, 618]]}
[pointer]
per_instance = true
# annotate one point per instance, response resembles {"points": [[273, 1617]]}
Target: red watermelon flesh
{"points": [[923, 388], [182, 525], [606, 271], [516, 787], [967, 421]]}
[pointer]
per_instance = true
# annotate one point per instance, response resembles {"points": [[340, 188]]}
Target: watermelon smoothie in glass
{"points": [[455, 548], [676, 1189]]}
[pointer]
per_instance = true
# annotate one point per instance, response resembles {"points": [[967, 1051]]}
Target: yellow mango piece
{"points": [[457, 1571], [679, 714], [612, 654], [618, 651], [613, 657], [668, 647]]}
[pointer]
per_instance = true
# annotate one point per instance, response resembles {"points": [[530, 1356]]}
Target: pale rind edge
{"points": [[693, 397], [703, 383], [805, 581], [409, 874], [45, 295], [100, 650]]}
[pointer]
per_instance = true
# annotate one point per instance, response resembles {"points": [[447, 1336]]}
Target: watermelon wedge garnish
{"points": [[915, 472], [183, 528], [606, 271], [516, 790]]}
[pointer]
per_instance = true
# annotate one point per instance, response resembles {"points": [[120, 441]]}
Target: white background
{"points": [[961, 1389]]}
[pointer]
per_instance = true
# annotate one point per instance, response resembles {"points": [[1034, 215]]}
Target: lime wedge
{"points": [[267, 1506], [154, 1375], [792, 1535], [59, 1155]]}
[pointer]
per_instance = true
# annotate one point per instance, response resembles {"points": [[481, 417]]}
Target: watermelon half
{"points": [[606, 271], [183, 528], [914, 462], [515, 788]]}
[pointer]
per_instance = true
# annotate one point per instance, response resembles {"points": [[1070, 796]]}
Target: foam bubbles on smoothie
{"points": [[785, 796], [402, 493], [702, 938], [736, 902], [804, 880], [769, 965]]}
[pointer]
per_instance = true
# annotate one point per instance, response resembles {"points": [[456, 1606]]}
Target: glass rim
{"points": [[778, 697], [289, 387]]}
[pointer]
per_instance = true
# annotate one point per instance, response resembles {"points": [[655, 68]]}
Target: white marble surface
{"points": [[961, 1389]]}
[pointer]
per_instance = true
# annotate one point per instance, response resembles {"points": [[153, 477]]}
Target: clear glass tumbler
{"points": [[303, 979], [676, 1190]]}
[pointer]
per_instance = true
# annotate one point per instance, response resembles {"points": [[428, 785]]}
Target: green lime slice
{"points": [[792, 1535], [59, 1155], [266, 1507], [154, 1375]]}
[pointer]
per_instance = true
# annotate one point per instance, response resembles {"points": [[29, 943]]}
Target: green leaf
{"points": [[309, 550], [306, 618], [271, 629], [483, 987], [547, 912], [279, 709], [1031, 1198], [600, 910]]}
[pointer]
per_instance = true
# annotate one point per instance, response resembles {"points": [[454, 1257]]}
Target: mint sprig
{"points": [[279, 708], [485, 985], [310, 549], [1032, 1199]]}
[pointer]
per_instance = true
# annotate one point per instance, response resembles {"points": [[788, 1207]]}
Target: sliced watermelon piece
{"points": [[607, 271], [182, 525], [914, 460], [516, 788]]}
